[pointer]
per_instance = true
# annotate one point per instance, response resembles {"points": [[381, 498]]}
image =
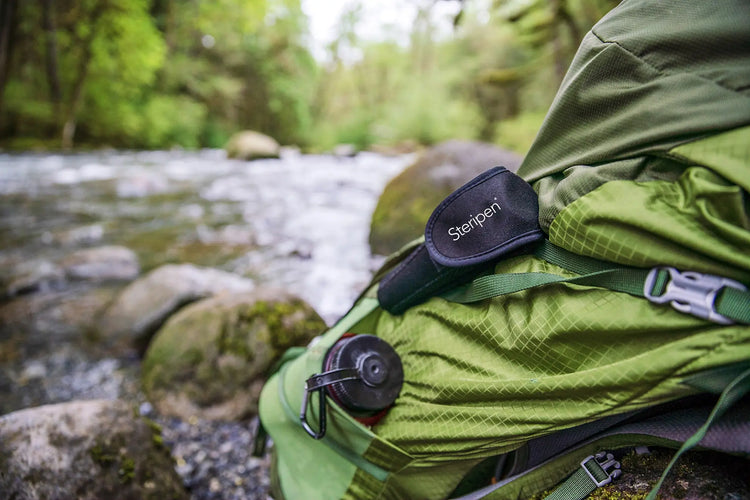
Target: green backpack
{"points": [[601, 305]]}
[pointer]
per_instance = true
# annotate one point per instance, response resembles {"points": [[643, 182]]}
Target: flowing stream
{"points": [[300, 222]]}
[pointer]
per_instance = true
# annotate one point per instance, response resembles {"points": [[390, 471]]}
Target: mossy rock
{"points": [[211, 358], [409, 199], [143, 306], [85, 450]]}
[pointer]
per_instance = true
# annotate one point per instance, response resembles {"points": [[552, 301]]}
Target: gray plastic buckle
{"points": [[691, 292], [604, 460]]}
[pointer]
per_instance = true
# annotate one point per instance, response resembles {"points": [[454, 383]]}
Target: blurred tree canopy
{"points": [[165, 73]]}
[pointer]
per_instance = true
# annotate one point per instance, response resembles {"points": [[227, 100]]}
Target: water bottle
{"points": [[362, 374]]}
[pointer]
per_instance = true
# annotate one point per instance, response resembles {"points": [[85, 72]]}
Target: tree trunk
{"points": [[68, 132], [69, 126], [7, 24], [50, 45], [560, 54], [76, 96]]}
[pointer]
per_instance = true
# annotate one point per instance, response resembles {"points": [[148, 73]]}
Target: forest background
{"points": [[157, 74]]}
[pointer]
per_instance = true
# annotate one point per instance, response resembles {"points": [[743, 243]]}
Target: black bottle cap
{"points": [[380, 374]]}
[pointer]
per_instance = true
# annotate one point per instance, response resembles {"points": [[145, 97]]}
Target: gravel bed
{"points": [[215, 459]]}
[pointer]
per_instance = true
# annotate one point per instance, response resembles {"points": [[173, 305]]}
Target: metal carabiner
{"points": [[318, 382]]}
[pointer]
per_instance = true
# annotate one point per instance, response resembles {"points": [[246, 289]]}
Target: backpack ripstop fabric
{"points": [[643, 160]]}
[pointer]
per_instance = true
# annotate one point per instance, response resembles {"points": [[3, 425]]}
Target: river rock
{"points": [[82, 235], [345, 150], [101, 264], [409, 199], [143, 306], [211, 359], [33, 276], [42, 320], [250, 145], [84, 450]]}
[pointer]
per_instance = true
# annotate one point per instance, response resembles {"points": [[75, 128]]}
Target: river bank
{"points": [[299, 223]]}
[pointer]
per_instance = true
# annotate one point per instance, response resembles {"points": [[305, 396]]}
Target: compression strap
{"points": [[714, 298]]}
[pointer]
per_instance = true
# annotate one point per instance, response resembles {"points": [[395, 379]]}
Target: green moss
{"points": [[403, 210], [152, 245], [158, 440], [222, 351], [280, 323], [283, 333], [204, 254], [103, 455], [155, 427], [233, 337], [211, 385], [193, 356], [156, 434], [611, 493], [126, 472], [131, 461]]}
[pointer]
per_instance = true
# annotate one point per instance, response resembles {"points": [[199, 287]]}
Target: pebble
{"points": [[215, 459]]}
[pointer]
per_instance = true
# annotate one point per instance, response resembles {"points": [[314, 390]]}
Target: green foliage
{"points": [[290, 78], [102, 56], [161, 73], [172, 120], [127, 51], [429, 112], [552, 30], [21, 100], [518, 133]]}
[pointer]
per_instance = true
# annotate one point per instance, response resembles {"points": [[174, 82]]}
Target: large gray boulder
{"points": [[84, 450], [211, 359], [409, 199], [250, 145], [143, 306]]}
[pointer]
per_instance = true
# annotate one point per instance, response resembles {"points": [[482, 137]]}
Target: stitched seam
{"points": [[663, 71]]}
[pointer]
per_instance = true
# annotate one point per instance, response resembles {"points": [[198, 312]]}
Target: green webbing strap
{"points": [[588, 477], [733, 393], [730, 303], [735, 304], [485, 287]]}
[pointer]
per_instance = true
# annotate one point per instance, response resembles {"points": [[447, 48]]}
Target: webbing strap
{"points": [[495, 285], [734, 303], [711, 297], [589, 476]]}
